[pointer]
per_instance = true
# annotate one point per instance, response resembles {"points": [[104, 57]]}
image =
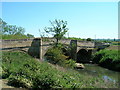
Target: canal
{"points": [[99, 72]]}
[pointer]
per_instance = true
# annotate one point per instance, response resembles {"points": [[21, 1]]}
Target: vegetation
{"points": [[89, 39], [58, 29], [12, 31], [74, 38], [22, 70], [108, 58], [55, 55], [8, 37], [116, 43]]}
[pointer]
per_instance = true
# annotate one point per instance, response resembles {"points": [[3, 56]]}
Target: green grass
{"points": [[8, 37], [108, 58], [22, 70]]}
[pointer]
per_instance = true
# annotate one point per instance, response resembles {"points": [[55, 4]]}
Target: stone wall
{"points": [[86, 43], [15, 43]]}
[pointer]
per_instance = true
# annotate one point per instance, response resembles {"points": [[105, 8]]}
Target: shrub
{"points": [[70, 63], [108, 58], [20, 81], [55, 56], [1, 72], [88, 39]]}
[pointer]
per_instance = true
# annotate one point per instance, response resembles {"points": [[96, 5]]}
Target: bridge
{"points": [[37, 47]]}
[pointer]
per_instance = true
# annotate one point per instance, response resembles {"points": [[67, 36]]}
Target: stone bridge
{"points": [[37, 47]]}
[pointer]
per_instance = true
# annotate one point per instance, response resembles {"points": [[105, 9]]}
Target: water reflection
{"points": [[107, 79]]}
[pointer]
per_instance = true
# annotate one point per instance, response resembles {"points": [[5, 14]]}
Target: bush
{"points": [[20, 81], [1, 72], [108, 58], [70, 63], [88, 39], [55, 56]]}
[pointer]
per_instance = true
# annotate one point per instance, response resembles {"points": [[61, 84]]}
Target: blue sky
{"points": [[85, 19]]}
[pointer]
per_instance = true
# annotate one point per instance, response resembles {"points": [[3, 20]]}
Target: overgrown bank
{"points": [[56, 55], [22, 70], [108, 58]]}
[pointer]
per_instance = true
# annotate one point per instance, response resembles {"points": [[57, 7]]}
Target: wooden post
{"points": [[41, 59]]}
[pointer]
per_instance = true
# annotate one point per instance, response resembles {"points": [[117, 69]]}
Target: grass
{"points": [[22, 70], [8, 37], [116, 43], [108, 58]]}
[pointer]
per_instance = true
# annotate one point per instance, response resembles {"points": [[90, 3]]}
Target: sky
{"points": [[85, 19]]}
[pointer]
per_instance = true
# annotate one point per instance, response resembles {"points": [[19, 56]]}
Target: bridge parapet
{"points": [[86, 43], [101, 45], [14, 43]]}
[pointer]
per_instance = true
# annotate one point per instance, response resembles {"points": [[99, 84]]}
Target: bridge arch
{"points": [[84, 55]]}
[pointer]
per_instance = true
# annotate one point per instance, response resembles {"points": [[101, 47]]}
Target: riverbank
{"points": [[108, 59], [100, 72], [21, 70]]}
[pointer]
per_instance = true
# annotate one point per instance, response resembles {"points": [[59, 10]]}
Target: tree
{"points": [[58, 29], [89, 39], [30, 35], [2, 25], [10, 29], [13, 30], [42, 34]]}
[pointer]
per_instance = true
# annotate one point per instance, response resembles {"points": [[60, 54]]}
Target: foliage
{"points": [[30, 35], [108, 58], [89, 39], [54, 55], [116, 43], [12, 31], [70, 63], [58, 29], [1, 72], [8, 37], [75, 38], [25, 71]]}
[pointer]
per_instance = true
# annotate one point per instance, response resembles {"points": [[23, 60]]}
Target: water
{"points": [[103, 73]]}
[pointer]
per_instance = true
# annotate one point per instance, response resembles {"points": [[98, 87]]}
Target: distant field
{"points": [[115, 43], [113, 47]]}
